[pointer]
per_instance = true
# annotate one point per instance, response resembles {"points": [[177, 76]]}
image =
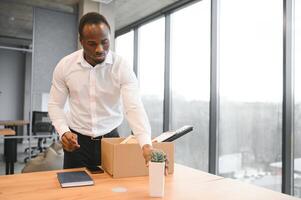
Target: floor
{"points": [[20, 156]]}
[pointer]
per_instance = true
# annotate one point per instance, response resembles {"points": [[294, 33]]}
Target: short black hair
{"points": [[91, 18]]}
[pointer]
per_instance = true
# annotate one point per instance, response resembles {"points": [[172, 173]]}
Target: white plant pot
{"points": [[156, 179]]}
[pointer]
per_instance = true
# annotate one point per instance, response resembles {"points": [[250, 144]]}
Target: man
{"points": [[97, 82]]}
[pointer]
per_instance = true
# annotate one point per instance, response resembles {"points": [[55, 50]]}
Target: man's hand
{"points": [[69, 141], [147, 151]]}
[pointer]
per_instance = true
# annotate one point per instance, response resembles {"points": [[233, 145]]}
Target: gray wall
{"points": [[55, 35], [12, 64]]}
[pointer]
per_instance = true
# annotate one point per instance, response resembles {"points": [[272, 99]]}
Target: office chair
{"points": [[41, 125]]}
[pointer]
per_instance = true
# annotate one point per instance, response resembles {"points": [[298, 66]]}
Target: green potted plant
{"points": [[156, 173]]}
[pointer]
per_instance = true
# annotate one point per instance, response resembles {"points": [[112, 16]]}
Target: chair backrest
{"points": [[41, 122]]}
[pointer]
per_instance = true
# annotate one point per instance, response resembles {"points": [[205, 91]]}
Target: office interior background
{"points": [[229, 68]]}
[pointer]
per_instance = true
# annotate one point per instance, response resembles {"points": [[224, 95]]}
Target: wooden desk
{"points": [[226, 188], [10, 145], [7, 131], [185, 184], [14, 123]]}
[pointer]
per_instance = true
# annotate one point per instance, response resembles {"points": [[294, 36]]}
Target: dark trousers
{"points": [[89, 153]]}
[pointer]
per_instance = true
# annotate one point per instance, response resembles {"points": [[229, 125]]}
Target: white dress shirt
{"points": [[98, 96]]}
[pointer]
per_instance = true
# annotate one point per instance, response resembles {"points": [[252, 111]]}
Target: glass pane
{"points": [[125, 48], [251, 91], [190, 66], [151, 71], [297, 164]]}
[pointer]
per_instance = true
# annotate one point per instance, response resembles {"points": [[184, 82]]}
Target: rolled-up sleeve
{"points": [[133, 106], [57, 100]]}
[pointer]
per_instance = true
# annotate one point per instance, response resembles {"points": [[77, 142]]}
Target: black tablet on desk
{"points": [[93, 169]]}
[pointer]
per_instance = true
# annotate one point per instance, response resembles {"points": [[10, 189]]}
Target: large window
{"points": [[251, 91], [190, 66], [297, 141], [125, 48], [151, 71]]}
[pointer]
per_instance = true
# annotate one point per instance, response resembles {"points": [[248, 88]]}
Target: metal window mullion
{"points": [[31, 80], [288, 99], [214, 89], [167, 75], [135, 57]]}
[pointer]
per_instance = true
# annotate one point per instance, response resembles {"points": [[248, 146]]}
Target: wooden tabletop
{"points": [[7, 131], [14, 122], [185, 184], [226, 189]]}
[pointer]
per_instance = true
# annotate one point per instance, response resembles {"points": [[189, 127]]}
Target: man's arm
{"points": [[57, 99], [134, 110], [135, 113]]}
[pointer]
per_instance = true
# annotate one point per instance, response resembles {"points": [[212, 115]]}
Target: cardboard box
{"points": [[126, 160]]}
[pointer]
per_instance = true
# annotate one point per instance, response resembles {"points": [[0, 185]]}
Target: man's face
{"points": [[96, 42]]}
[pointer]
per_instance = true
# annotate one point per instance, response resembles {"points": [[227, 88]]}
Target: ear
{"points": [[81, 40]]}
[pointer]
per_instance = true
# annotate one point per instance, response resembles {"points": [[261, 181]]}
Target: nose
{"points": [[99, 48]]}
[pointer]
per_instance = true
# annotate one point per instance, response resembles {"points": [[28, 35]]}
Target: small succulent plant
{"points": [[158, 156]]}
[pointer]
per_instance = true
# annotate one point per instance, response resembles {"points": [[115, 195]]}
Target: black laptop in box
{"points": [[179, 133], [172, 135]]}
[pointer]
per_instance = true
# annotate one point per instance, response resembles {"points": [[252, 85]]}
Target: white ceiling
{"points": [[16, 15], [129, 11]]}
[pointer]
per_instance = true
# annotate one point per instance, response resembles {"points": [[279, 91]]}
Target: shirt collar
{"points": [[81, 60]]}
